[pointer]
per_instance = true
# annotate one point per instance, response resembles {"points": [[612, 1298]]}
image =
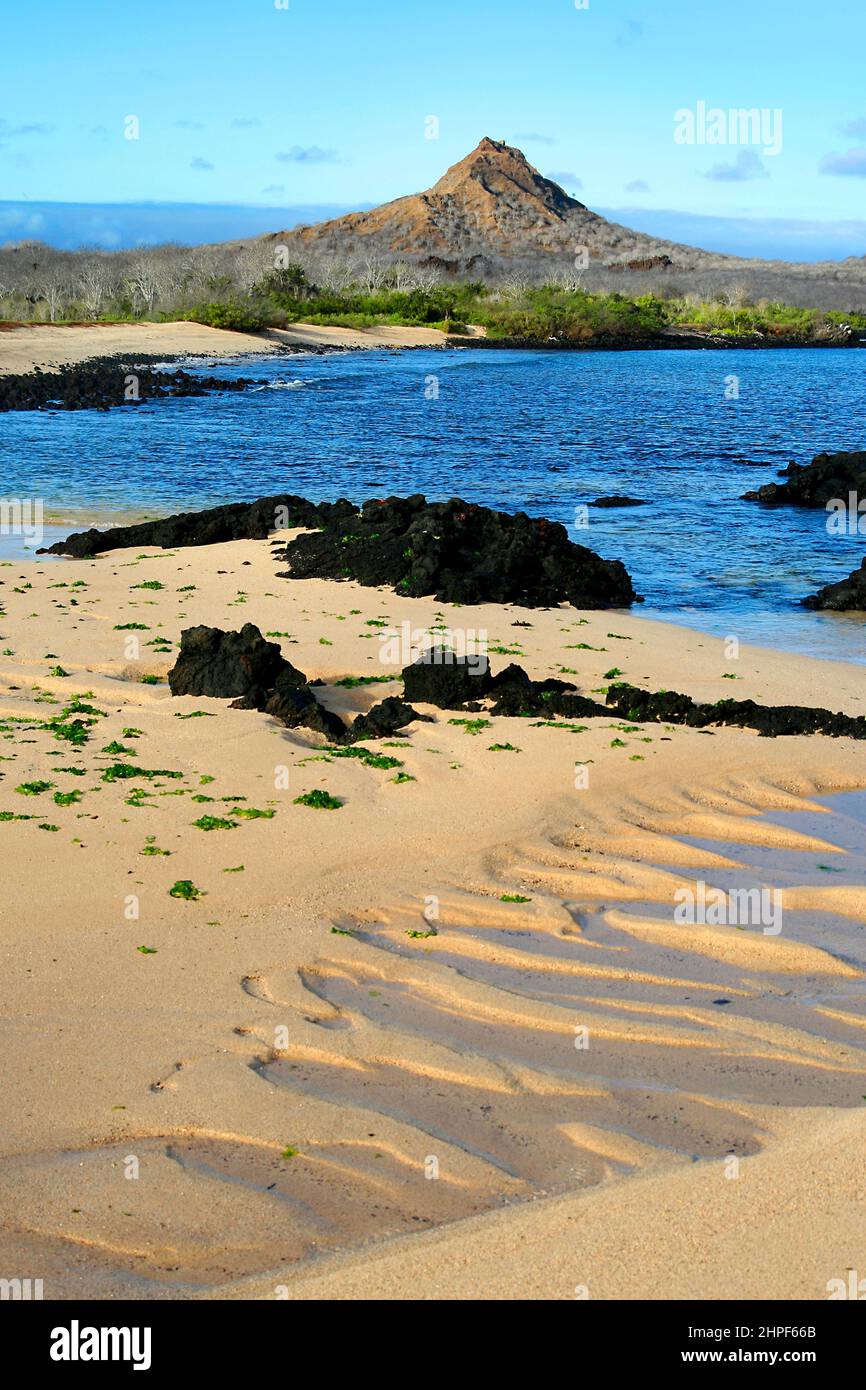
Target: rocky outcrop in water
{"points": [[827, 478], [846, 596], [619, 500], [457, 551], [460, 552], [236, 521], [104, 382]]}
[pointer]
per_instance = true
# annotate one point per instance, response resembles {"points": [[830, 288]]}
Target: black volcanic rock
{"points": [[846, 596], [460, 553], [826, 478], [296, 706], [448, 683], [242, 664], [385, 719], [221, 664], [462, 682], [102, 382], [542, 698], [513, 694], [617, 500], [669, 707], [232, 522]]}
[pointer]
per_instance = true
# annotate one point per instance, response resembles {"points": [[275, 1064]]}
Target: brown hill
{"points": [[489, 212]]}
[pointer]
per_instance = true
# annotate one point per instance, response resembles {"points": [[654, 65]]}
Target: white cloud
{"points": [[850, 165], [746, 167], [310, 154]]}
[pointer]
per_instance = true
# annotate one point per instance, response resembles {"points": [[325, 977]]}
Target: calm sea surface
{"points": [[544, 432]]}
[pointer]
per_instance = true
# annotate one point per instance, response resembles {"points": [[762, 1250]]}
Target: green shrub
{"points": [[248, 317]]}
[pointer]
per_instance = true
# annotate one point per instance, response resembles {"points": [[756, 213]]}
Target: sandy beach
{"points": [[346, 1058], [50, 345]]}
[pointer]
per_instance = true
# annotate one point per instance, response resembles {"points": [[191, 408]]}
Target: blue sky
{"points": [[326, 103]]}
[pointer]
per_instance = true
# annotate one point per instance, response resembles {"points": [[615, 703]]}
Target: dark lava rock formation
{"points": [[460, 553], [846, 596], [255, 675], [103, 382], [669, 707], [236, 521], [461, 684], [386, 718], [296, 706], [228, 665], [618, 500], [244, 667], [457, 551], [827, 477], [447, 681]]}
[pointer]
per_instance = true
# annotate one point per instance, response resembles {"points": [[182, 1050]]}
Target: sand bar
{"points": [[54, 345]]}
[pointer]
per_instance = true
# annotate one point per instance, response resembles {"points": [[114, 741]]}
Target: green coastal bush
{"points": [[249, 317]]}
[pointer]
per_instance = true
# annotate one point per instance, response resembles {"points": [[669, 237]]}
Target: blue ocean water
{"points": [[545, 432]]}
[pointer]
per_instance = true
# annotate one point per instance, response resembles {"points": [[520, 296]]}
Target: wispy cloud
{"points": [[566, 179], [309, 154], [245, 122], [856, 128], [851, 165], [533, 137], [275, 188], [7, 130], [629, 33], [204, 165], [637, 186], [189, 125], [746, 167]]}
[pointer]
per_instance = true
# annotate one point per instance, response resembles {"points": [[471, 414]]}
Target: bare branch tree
{"points": [[94, 283], [54, 287]]}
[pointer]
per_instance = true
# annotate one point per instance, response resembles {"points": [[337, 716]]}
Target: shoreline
{"points": [[25, 349], [304, 1007], [59, 523], [45, 347]]}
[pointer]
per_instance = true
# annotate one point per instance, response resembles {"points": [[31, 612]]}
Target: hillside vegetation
{"points": [[238, 288]]}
